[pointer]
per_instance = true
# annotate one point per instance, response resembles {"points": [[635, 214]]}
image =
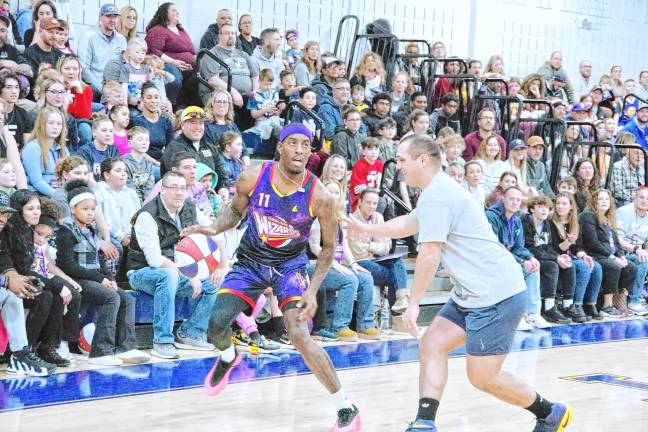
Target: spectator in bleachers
{"points": [[152, 269], [557, 275], [308, 67], [388, 148], [329, 73], [245, 71], [308, 98], [495, 64], [346, 142], [97, 46], [7, 177], [265, 54], [549, 69], [133, 73], [294, 52], [44, 51], [139, 169], [472, 176], [632, 229], [335, 169], [418, 123], [39, 156], [559, 109], [330, 109], [63, 39], [167, 38], [49, 90], [367, 171], [565, 239], [370, 74], [120, 116], [617, 84], [639, 126], [191, 139], [629, 104], [486, 123], [555, 87], [446, 115], [11, 60], [24, 18], [220, 116], [536, 172], [102, 146], [160, 78], [401, 89], [475, 67], [380, 109], [418, 100], [508, 229], [588, 181], [488, 155], [567, 153], [9, 150], [628, 176], [641, 89], [507, 179], [517, 163], [446, 84], [368, 250], [80, 106], [601, 242], [584, 81], [126, 24], [245, 41], [265, 108], [210, 38], [348, 278], [41, 10], [232, 163]]}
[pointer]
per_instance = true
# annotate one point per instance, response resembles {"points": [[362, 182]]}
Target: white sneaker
{"points": [[524, 325], [109, 360], [64, 351], [401, 303], [537, 321], [638, 309], [134, 357]]}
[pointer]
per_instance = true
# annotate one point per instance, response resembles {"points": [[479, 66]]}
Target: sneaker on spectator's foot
{"points": [[348, 420], [165, 351], [241, 338], [325, 335], [5, 356], [347, 335], [557, 420], [553, 315], [107, 360], [186, 343], [49, 355], [371, 333], [537, 321], [575, 313], [638, 309], [591, 310], [419, 425], [26, 362], [64, 351], [134, 357], [401, 303], [523, 325], [263, 344], [218, 377], [282, 339], [611, 312]]}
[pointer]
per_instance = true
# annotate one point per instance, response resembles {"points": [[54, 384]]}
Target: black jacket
{"points": [[596, 241], [539, 244], [207, 153], [347, 145], [210, 39], [556, 240]]}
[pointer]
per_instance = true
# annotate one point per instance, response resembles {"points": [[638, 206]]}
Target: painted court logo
{"points": [[274, 231]]}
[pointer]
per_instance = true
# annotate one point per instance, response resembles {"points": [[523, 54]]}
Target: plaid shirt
{"points": [[626, 181], [86, 250]]}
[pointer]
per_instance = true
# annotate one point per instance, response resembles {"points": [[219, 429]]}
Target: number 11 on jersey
{"points": [[264, 198]]}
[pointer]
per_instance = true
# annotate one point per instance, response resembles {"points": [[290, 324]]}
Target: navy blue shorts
{"points": [[489, 330], [248, 279]]}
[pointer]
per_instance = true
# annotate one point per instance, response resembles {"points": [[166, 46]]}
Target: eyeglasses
{"points": [[57, 92], [221, 102], [176, 188]]}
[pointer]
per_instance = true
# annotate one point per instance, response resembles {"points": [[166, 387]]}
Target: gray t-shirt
{"points": [[482, 270], [242, 66]]}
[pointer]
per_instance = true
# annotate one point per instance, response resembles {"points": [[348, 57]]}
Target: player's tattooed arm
{"points": [[232, 212]]}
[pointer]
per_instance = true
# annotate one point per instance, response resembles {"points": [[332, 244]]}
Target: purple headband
{"points": [[292, 35], [295, 128]]}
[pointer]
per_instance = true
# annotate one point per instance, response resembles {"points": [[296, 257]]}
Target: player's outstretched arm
{"points": [[232, 212], [400, 227]]}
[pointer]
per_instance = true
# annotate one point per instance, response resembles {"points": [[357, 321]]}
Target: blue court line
{"points": [[80, 386]]}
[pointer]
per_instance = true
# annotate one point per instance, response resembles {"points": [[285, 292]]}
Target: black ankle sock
{"points": [[427, 409], [278, 325], [541, 407]]}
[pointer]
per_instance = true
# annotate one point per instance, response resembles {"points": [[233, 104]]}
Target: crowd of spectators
{"points": [[102, 165]]}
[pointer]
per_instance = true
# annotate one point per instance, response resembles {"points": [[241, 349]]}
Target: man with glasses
{"points": [[281, 200], [330, 111], [192, 140], [44, 50], [486, 123], [210, 38], [152, 270]]}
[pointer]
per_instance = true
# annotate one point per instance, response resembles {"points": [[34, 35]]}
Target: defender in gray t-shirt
{"points": [[488, 300]]}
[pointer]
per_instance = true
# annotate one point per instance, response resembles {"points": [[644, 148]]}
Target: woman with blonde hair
{"points": [[335, 169], [370, 74], [488, 155], [127, 22], [40, 155], [310, 65], [495, 64], [220, 116]]}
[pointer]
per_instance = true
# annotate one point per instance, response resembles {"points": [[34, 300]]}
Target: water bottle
{"points": [[385, 315]]}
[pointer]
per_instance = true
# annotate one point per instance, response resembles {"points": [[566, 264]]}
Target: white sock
{"points": [[228, 355], [549, 303], [567, 303], [340, 400]]}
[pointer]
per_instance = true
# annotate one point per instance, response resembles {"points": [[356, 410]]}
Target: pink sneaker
{"points": [[348, 420], [218, 377]]}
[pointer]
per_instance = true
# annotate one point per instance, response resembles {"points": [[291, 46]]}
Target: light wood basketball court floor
{"points": [[600, 368]]}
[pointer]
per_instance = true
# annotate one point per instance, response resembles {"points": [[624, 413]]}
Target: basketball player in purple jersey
{"points": [[281, 199]]}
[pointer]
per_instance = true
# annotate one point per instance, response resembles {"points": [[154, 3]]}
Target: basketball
{"points": [[197, 256], [85, 338]]}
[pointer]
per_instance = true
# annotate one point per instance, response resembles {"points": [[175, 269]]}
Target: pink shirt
{"points": [[121, 142]]}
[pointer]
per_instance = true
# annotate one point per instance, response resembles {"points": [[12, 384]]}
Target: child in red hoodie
{"points": [[367, 172]]}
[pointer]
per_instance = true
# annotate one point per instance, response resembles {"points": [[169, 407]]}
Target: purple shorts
{"points": [[248, 279]]}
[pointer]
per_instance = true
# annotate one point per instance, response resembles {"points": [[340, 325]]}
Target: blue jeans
{"points": [[173, 88], [588, 283], [348, 286], [532, 281], [84, 129], [637, 287], [164, 285], [389, 272]]}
